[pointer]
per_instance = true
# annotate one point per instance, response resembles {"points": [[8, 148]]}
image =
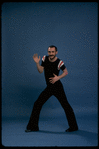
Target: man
{"points": [[51, 66]]}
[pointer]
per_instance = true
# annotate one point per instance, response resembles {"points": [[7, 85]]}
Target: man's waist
{"points": [[56, 83]]}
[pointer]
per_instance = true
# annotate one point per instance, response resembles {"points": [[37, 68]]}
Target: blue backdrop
{"points": [[30, 27]]}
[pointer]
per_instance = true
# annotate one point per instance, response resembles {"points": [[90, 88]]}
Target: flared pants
{"points": [[58, 91]]}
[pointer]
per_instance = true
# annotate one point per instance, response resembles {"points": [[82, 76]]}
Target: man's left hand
{"points": [[53, 79]]}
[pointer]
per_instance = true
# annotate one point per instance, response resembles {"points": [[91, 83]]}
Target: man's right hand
{"points": [[35, 58]]}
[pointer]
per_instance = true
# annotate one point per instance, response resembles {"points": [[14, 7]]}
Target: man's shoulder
{"points": [[44, 58], [60, 64], [59, 60]]}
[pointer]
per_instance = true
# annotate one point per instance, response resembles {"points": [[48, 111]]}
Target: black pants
{"points": [[58, 91]]}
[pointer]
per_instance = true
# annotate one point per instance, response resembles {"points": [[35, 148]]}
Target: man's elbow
{"points": [[41, 71], [66, 73]]}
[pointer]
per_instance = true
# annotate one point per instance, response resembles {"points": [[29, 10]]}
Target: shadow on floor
{"points": [[89, 136]]}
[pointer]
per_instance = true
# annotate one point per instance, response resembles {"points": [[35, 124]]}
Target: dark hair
{"points": [[52, 46]]}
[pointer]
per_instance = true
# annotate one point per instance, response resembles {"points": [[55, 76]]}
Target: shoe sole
{"points": [[71, 130], [31, 130]]}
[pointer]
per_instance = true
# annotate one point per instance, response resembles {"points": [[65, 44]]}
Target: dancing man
{"points": [[51, 66]]}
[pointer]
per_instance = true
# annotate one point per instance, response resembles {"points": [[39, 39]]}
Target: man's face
{"points": [[52, 53]]}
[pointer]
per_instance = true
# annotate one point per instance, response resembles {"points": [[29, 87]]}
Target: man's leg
{"points": [[60, 95], [34, 118]]}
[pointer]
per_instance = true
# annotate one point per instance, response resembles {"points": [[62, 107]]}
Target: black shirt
{"points": [[51, 67]]}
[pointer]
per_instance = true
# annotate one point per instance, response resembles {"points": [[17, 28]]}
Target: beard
{"points": [[52, 57]]}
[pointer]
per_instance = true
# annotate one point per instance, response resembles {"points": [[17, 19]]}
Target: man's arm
{"points": [[39, 68], [36, 60], [56, 78], [65, 72]]}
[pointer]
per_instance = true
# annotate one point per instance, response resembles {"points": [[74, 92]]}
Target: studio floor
{"points": [[52, 132]]}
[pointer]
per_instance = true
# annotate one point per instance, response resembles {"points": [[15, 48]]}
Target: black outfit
{"points": [[55, 89]]}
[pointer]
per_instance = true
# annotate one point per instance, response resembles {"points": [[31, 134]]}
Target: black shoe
{"points": [[31, 130], [71, 129], [28, 130]]}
